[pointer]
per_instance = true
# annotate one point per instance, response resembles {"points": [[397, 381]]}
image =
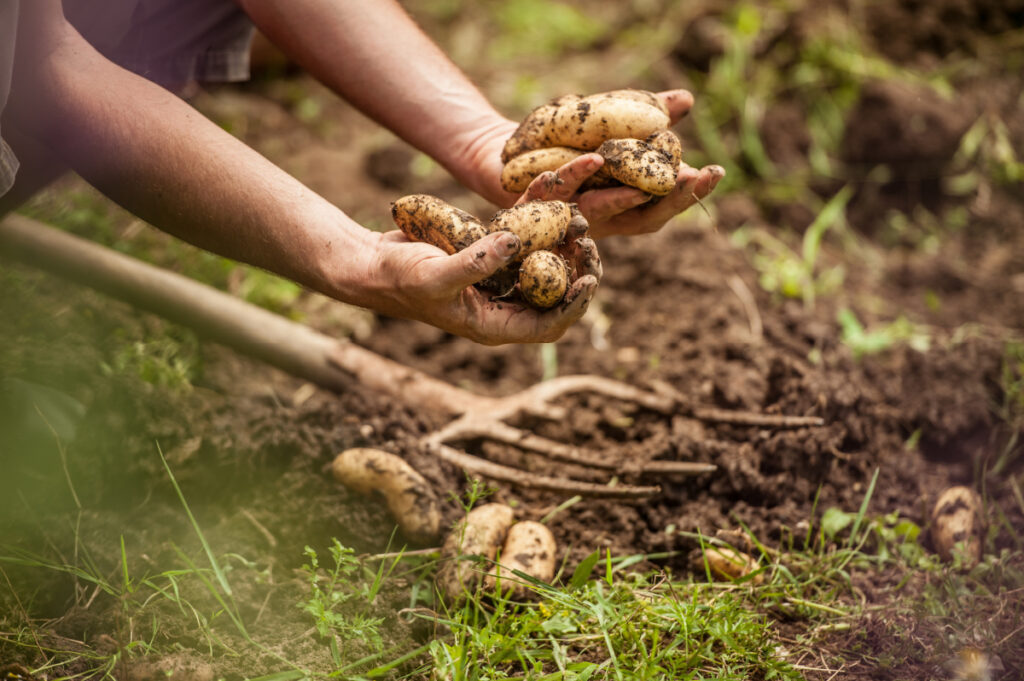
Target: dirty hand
{"points": [[622, 210], [419, 281]]}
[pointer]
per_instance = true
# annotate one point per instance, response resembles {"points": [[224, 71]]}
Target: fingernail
{"points": [[508, 244]]}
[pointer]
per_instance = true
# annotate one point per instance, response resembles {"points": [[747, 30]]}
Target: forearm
{"points": [[377, 58], [157, 157]]}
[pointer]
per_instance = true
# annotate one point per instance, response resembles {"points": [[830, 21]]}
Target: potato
{"points": [[410, 498], [584, 123], [540, 225], [429, 219], [728, 564], [669, 144], [635, 163], [530, 549], [592, 120], [957, 525], [638, 96], [543, 279], [520, 171], [481, 533], [532, 132]]}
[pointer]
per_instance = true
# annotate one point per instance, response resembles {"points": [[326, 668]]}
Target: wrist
{"points": [[477, 161]]}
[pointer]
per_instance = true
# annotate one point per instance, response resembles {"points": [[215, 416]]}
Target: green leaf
{"points": [[835, 520], [583, 570]]}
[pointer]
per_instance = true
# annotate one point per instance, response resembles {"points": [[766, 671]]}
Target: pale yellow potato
{"points": [[957, 525], [668, 143], [729, 564], [409, 497], [592, 120], [540, 225], [585, 122], [426, 218], [644, 96], [529, 548], [481, 533], [520, 171], [543, 279], [635, 163]]}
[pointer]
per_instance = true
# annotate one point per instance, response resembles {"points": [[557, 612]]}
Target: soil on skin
{"points": [[249, 446]]}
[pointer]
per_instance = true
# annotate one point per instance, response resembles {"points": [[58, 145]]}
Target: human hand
{"points": [[419, 281], [617, 210]]}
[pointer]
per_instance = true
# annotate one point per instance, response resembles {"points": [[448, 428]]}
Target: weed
{"points": [[337, 602], [863, 342]]}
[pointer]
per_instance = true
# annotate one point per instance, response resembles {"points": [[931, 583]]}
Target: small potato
{"points": [[669, 144], [520, 171], [729, 564], [540, 225], [426, 218], [957, 525], [530, 549], [592, 120], [543, 279], [481, 533], [410, 498], [635, 163]]}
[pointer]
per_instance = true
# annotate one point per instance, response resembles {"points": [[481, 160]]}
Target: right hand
{"points": [[418, 281]]}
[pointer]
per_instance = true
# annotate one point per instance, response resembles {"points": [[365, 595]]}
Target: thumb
{"points": [[476, 262]]}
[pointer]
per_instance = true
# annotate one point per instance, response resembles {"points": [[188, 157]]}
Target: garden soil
{"points": [[249, 446]]}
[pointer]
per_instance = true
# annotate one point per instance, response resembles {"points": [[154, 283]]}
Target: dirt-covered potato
{"points": [[540, 225], [481, 533], [529, 548], [520, 171], [728, 564], [426, 218], [645, 96], [410, 498], [669, 144], [635, 163], [957, 525], [584, 123], [543, 279]]}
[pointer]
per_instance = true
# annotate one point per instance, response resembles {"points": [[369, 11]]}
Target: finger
{"points": [[540, 187], [575, 305], [692, 186], [598, 205], [562, 184], [678, 102], [447, 276]]}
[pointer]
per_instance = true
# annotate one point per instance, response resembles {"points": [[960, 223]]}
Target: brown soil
{"points": [[249, 446]]}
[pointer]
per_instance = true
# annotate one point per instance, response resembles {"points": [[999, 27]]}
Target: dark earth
{"points": [[250, 446]]}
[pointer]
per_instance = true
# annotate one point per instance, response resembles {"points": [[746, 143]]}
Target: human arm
{"points": [[156, 156], [376, 57]]}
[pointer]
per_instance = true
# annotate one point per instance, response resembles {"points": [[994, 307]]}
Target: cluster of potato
{"points": [[541, 274], [629, 128]]}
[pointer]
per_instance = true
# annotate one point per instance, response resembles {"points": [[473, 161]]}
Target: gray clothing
{"points": [[173, 43], [8, 27]]}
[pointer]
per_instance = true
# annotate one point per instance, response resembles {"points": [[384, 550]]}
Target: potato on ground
{"points": [[409, 497], [635, 163], [728, 564], [543, 279], [481, 533], [957, 525], [426, 218], [530, 549]]}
